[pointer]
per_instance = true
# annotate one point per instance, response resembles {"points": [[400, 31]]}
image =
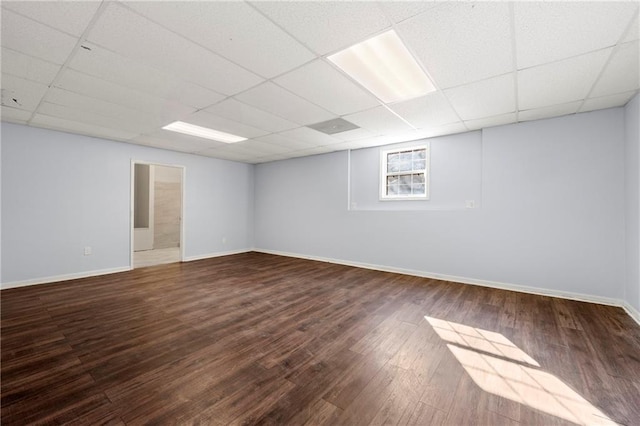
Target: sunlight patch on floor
{"points": [[482, 340], [499, 367]]}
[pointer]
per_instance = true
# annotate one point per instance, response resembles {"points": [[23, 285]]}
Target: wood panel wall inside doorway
{"points": [[168, 196]]}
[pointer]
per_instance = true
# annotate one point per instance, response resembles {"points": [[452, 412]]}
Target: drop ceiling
{"points": [[123, 70]]}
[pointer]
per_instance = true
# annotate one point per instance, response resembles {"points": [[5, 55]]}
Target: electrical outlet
{"points": [[224, 240], [470, 204], [87, 251]]}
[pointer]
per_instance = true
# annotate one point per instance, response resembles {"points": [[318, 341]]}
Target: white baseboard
{"points": [[492, 284], [65, 277], [633, 312], [217, 254], [58, 278]]}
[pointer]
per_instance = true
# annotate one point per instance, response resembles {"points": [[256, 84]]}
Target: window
{"points": [[404, 174]]}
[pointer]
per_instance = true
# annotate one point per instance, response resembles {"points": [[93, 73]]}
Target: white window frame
{"points": [[384, 173]]}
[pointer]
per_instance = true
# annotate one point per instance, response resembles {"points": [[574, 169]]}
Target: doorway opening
{"points": [[157, 204]]}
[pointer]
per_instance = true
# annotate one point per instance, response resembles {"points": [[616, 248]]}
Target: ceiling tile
{"points": [[378, 120], [232, 153], [279, 101], [234, 30], [485, 98], [323, 85], [634, 30], [310, 137], [559, 82], [133, 36], [622, 73], [550, 111], [110, 66], [165, 110], [355, 144], [461, 42], [281, 139], [206, 119], [170, 140], [326, 26], [497, 120], [398, 11], [446, 129], [14, 115], [32, 38], [314, 151], [20, 93], [251, 116], [28, 67], [412, 135], [379, 140], [352, 135], [96, 106], [261, 148], [549, 31], [245, 151], [610, 101], [190, 94], [270, 158], [209, 153], [431, 110], [81, 127], [70, 17], [93, 119]]}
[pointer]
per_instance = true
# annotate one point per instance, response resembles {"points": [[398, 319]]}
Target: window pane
{"points": [[405, 161], [392, 185], [419, 164], [405, 180], [404, 166], [417, 178], [418, 189], [404, 189], [420, 154], [392, 162]]}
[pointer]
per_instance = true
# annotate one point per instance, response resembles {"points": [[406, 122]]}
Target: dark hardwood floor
{"points": [[262, 339]]}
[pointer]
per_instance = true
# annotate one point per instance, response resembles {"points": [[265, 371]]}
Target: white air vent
{"points": [[330, 127]]}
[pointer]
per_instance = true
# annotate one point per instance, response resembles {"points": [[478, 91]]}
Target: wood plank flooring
{"points": [[262, 339]]}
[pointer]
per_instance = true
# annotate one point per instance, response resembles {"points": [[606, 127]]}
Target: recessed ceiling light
{"points": [[384, 65], [203, 132]]}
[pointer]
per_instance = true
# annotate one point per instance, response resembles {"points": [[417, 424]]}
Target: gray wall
{"points": [[632, 198], [62, 192], [552, 214]]}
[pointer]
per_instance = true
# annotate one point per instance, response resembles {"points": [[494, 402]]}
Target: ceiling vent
{"points": [[330, 127]]}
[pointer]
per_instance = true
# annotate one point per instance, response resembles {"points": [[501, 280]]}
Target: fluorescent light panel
{"points": [[384, 65], [203, 132]]}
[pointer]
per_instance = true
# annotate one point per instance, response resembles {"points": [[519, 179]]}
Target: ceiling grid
{"points": [[260, 70]]}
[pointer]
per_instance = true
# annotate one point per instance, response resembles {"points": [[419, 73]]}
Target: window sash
{"points": [[404, 174]]}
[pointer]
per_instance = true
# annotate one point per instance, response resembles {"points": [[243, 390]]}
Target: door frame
{"points": [[183, 171]]}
